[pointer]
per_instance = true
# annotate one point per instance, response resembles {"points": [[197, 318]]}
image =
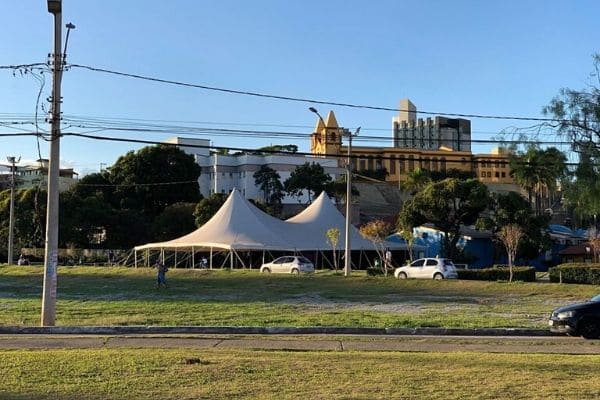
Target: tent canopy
{"points": [[239, 225]]}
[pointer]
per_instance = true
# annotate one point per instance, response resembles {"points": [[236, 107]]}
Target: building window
{"points": [[463, 160], [363, 164], [504, 174], [401, 164], [483, 174], [489, 174], [497, 163], [497, 174], [370, 163], [411, 163], [443, 164], [392, 162]]}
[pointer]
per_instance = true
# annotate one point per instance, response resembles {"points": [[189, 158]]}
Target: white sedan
{"points": [[428, 268], [288, 265]]}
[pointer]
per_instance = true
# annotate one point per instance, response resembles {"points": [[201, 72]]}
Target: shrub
{"points": [[576, 273], [376, 272], [498, 273]]}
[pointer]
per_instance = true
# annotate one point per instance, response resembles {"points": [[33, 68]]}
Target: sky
{"points": [[507, 58]]}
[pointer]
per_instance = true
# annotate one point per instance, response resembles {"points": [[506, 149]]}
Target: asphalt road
{"points": [[409, 343]]}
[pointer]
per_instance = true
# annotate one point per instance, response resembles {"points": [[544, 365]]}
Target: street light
{"points": [[347, 246], [51, 245]]}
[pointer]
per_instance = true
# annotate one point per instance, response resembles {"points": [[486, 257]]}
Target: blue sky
{"points": [[476, 57]]}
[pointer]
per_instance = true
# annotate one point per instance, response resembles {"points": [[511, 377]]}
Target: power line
{"points": [[306, 100], [449, 158]]}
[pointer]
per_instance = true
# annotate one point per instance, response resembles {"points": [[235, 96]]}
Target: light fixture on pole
{"points": [[347, 245], [348, 250], [11, 218], [51, 245]]}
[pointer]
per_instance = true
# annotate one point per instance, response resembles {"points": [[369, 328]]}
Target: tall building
{"points": [[418, 151], [429, 134]]}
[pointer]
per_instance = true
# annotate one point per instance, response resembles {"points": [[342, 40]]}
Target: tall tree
{"points": [[538, 170], [269, 181], [208, 207], [376, 231], [512, 209], [578, 118], [510, 236], [310, 177], [153, 178], [415, 181], [446, 204]]}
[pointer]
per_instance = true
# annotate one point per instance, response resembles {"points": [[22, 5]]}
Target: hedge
{"points": [[498, 273], [576, 273]]}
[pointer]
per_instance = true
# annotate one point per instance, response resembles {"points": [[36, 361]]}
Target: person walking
{"points": [[161, 278]]}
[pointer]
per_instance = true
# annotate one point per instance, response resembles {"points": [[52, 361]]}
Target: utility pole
{"points": [[11, 218], [51, 248], [348, 249]]}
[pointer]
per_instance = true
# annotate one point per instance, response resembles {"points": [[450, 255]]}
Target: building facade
{"points": [[31, 176], [429, 134], [398, 160], [221, 173]]}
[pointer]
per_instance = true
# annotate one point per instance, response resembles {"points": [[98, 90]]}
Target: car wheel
{"points": [[295, 272], [589, 329], [402, 275], [266, 271], [438, 276]]}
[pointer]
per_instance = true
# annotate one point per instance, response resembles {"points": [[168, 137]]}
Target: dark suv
{"points": [[578, 319]]}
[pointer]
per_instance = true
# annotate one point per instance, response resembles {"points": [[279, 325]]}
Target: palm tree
{"points": [[415, 181]]}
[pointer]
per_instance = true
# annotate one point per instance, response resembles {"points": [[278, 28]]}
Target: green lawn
{"points": [[126, 296], [247, 374]]}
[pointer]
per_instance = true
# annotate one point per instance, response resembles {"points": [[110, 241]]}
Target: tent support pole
{"points": [[211, 255], [193, 258], [239, 258], [147, 261], [263, 260], [175, 258], [135, 258], [231, 259]]}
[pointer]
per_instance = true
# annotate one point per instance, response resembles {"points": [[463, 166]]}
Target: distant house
{"points": [[36, 175], [581, 253]]}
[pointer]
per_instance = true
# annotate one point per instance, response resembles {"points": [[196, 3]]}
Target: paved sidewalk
{"points": [[413, 343]]}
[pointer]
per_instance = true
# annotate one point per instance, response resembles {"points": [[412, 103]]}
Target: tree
{"points": [[337, 189], [578, 111], [510, 235], [447, 204], [153, 178], [577, 114], [415, 181], [208, 207], [175, 220], [310, 177], [269, 182], [288, 148], [333, 236], [376, 231], [512, 209], [537, 169]]}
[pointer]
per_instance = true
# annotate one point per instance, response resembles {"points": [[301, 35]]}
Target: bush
{"points": [[377, 272], [498, 273], [576, 273]]}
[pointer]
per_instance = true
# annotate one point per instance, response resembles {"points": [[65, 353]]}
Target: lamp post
{"points": [[51, 248], [347, 245], [11, 217]]}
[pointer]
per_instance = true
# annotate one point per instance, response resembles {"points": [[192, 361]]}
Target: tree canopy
{"points": [[309, 177], [446, 204]]}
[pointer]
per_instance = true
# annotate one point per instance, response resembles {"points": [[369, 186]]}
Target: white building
{"points": [[223, 173]]}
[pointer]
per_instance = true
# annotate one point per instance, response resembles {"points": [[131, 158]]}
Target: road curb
{"points": [[242, 330]]}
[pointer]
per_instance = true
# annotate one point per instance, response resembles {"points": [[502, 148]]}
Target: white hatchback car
{"points": [[428, 268], [288, 265]]}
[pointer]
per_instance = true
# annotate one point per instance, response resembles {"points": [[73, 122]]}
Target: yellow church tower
{"points": [[327, 138]]}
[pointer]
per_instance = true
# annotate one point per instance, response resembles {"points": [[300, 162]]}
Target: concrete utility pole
{"points": [[51, 249], [11, 218], [348, 249]]}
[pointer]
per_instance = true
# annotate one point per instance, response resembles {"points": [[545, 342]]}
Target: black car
{"points": [[578, 319]]}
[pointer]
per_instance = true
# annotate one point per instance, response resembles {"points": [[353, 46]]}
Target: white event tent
{"points": [[241, 226]]}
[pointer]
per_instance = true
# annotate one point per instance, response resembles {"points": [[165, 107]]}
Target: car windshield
{"points": [[303, 260], [596, 298]]}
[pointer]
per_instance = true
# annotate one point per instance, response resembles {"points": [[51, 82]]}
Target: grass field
{"points": [[126, 296], [247, 374]]}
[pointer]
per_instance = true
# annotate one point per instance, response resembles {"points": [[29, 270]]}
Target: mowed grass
{"points": [[126, 296], [251, 374]]}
